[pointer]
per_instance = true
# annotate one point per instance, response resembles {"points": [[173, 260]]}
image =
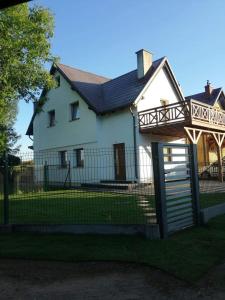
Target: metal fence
{"points": [[112, 186], [91, 186], [212, 190]]}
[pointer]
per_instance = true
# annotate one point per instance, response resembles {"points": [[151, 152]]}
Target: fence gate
{"points": [[176, 184]]}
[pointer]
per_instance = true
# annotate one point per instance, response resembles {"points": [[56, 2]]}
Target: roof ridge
{"points": [[83, 71], [219, 88], [131, 71], [119, 76]]}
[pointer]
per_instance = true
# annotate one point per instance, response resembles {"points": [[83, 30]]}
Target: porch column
{"points": [[220, 164], [219, 137]]}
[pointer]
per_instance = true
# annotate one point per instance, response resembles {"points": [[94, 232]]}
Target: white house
{"points": [[93, 122]]}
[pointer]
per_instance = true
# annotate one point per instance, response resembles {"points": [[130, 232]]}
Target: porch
{"points": [[200, 123]]}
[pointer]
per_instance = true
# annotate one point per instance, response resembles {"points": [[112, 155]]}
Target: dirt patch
{"points": [[20, 279]]}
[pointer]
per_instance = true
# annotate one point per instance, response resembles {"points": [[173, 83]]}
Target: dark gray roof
{"points": [[103, 94], [202, 97]]}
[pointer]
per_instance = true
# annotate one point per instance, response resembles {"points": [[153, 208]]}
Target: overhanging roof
{"points": [[104, 95]]}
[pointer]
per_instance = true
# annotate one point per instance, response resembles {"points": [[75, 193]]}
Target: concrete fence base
{"points": [[150, 231], [211, 212]]}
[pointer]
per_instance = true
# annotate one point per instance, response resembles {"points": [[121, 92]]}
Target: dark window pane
{"points": [[57, 79], [63, 158], [74, 108], [79, 157], [51, 118]]}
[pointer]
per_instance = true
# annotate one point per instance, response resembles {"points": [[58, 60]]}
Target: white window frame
{"points": [[51, 122], [72, 116]]}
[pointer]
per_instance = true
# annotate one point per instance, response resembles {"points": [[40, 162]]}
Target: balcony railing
{"points": [[188, 112]]}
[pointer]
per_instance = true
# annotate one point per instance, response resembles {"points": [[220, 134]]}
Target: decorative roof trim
{"points": [[164, 63]]}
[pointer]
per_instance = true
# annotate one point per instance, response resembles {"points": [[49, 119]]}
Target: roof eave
{"points": [[170, 73], [74, 88]]}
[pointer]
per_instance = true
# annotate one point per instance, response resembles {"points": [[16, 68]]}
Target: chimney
{"points": [[144, 62], [208, 89]]}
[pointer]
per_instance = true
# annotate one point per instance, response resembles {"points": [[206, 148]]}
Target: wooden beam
{"points": [[219, 138], [204, 130], [193, 134]]}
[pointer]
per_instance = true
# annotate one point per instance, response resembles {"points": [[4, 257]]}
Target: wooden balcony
{"points": [[171, 119]]}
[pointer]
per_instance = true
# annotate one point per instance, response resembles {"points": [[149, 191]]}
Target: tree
{"points": [[25, 36], [8, 140]]}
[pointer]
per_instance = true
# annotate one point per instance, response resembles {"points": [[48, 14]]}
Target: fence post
{"points": [[46, 177], [6, 189], [69, 174], [159, 184], [195, 183]]}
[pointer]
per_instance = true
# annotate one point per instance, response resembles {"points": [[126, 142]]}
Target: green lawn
{"points": [[210, 199], [83, 207], [187, 255], [78, 207]]}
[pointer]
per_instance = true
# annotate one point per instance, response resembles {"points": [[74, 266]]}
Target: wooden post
{"points": [[159, 185], [219, 138], [220, 163]]}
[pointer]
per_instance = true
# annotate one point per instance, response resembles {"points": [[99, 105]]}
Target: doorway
{"points": [[119, 161]]}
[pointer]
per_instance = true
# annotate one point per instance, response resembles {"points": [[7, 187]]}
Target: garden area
{"points": [[187, 255], [80, 207], [88, 207]]}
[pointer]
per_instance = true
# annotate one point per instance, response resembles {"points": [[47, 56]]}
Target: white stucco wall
{"points": [[65, 133], [97, 134], [161, 88], [116, 128]]}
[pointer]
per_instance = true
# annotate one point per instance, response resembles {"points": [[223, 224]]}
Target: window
{"points": [[63, 159], [167, 151], [74, 111], [164, 113], [51, 118], [79, 156], [57, 79], [164, 102]]}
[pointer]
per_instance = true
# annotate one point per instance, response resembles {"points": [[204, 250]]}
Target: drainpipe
{"points": [[134, 143]]}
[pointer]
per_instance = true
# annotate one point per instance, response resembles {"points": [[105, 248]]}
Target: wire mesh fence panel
{"points": [[1, 195], [212, 190], [91, 186]]}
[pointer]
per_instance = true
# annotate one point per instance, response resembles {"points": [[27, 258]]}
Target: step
{"points": [[119, 186], [118, 181]]}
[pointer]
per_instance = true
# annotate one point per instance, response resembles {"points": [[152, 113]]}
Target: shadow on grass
{"points": [[187, 255]]}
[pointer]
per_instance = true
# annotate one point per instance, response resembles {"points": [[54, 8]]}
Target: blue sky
{"points": [[102, 36]]}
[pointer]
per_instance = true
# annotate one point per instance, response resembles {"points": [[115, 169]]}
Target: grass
{"points": [[78, 207], [83, 207], [187, 255], [210, 199]]}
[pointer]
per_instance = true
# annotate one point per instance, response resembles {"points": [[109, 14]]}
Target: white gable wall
{"points": [[65, 133], [161, 88]]}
